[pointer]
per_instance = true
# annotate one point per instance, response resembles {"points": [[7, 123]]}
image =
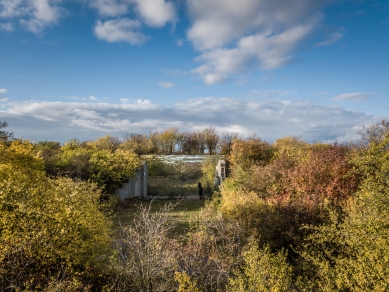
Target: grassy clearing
{"points": [[183, 213], [169, 187]]}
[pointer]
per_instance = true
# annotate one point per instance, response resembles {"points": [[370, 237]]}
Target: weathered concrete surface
{"points": [[136, 186]]}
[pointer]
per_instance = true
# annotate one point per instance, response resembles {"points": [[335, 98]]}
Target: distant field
{"points": [[171, 187], [177, 175], [183, 213]]}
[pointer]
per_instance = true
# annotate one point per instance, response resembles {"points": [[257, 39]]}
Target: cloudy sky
{"points": [[86, 68]]}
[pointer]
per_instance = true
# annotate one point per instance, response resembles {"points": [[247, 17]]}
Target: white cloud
{"points": [[7, 26], [332, 38], [34, 15], [3, 99], [155, 13], [269, 118], [120, 30], [355, 96], [166, 84], [237, 36], [12, 8], [92, 97], [3, 90], [180, 42]]}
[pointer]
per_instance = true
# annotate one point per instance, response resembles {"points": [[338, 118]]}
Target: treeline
{"points": [[108, 160], [292, 216], [172, 141]]}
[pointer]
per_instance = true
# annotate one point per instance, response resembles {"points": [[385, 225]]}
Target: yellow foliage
{"points": [[262, 271], [252, 151], [46, 225], [293, 147], [186, 284]]}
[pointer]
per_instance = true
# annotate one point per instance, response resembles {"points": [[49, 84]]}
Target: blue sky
{"points": [[84, 68]]}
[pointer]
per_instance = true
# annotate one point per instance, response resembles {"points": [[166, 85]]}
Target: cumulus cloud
{"points": [[355, 96], [3, 90], [268, 118], [12, 8], [34, 15], [237, 36], [332, 38], [166, 84], [120, 30], [3, 99], [155, 13], [7, 26]]}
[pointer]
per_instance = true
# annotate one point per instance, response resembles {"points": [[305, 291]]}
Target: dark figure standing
{"points": [[200, 188]]}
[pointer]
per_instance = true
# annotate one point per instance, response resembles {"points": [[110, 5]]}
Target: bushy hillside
{"points": [[292, 216]]}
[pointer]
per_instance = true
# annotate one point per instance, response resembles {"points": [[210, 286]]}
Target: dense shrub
{"points": [[262, 271], [49, 228], [351, 253]]}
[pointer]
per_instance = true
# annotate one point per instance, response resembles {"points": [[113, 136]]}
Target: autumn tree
{"points": [[211, 139], [292, 147], [166, 140], [109, 169], [251, 151], [190, 143], [137, 143], [49, 151], [4, 135], [107, 142], [226, 142], [201, 144], [351, 253]]}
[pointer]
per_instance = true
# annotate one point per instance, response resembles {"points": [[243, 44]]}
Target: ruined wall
{"points": [[136, 186]]}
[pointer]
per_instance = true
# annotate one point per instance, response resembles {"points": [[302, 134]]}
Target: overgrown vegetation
{"points": [[292, 216]]}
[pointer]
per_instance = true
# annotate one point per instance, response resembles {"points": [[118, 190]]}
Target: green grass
{"points": [[172, 187], [183, 213]]}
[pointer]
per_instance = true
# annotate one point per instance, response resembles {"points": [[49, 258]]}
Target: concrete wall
{"points": [[136, 186], [220, 173]]}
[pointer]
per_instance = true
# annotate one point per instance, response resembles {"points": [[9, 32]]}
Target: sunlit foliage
{"points": [[262, 271], [48, 227]]}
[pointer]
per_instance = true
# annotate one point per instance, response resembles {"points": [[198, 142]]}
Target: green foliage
{"points": [[262, 271], [208, 170], [157, 167]]}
